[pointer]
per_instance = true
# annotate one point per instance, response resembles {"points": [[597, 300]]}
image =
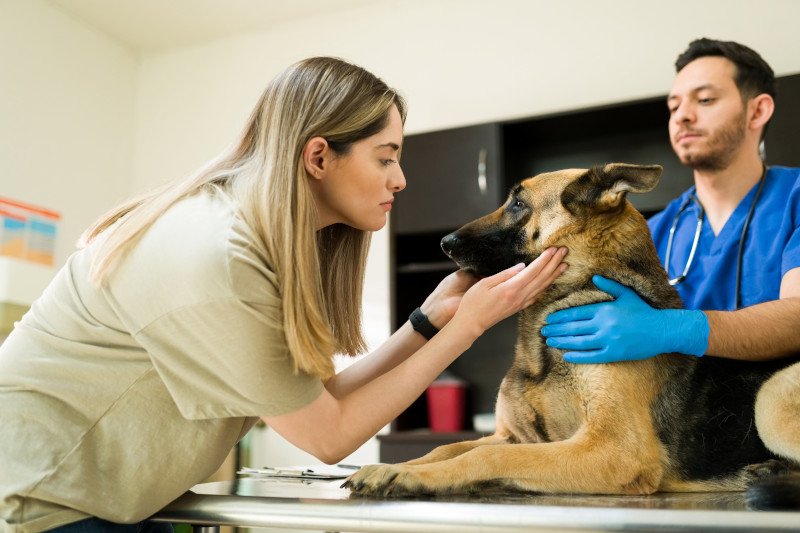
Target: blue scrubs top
{"points": [[772, 245]]}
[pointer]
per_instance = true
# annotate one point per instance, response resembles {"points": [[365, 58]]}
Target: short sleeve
{"points": [[226, 358], [791, 254], [791, 251]]}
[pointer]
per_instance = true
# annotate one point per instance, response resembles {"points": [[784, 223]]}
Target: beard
{"points": [[721, 147]]}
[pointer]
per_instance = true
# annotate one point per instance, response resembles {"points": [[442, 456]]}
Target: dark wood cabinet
{"points": [[782, 142], [457, 175], [452, 176]]}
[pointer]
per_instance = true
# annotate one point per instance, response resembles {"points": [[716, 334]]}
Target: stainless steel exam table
{"points": [[323, 506]]}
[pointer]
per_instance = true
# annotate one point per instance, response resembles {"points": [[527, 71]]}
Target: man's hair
{"points": [[753, 75]]}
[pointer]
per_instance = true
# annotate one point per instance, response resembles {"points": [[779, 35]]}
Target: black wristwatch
{"points": [[421, 324]]}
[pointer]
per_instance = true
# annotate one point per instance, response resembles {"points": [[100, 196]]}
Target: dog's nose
{"points": [[449, 242]]}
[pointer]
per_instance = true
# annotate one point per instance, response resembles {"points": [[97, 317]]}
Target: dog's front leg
{"points": [[577, 465], [448, 451]]}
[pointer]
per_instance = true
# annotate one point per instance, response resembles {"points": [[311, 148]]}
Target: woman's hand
{"points": [[443, 302], [492, 299]]}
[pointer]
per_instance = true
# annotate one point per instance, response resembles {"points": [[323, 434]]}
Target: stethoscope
{"points": [[700, 218]]}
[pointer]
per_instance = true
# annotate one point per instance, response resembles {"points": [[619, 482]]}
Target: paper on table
{"points": [[302, 472]]}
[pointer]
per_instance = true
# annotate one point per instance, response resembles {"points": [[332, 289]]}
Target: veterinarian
{"points": [[195, 309], [730, 244]]}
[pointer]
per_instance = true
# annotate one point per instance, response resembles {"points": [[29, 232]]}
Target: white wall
{"points": [[66, 115]]}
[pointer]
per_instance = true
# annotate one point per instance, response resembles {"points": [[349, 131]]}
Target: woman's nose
{"points": [[398, 180]]}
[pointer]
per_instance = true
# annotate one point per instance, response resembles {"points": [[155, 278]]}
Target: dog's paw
{"points": [[772, 467], [388, 481]]}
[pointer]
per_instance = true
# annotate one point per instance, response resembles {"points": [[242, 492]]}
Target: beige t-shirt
{"points": [[114, 402]]}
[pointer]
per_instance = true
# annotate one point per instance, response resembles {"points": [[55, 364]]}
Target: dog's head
{"points": [[584, 210]]}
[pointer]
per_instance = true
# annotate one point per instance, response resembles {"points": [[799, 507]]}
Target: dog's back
{"points": [[707, 420]]}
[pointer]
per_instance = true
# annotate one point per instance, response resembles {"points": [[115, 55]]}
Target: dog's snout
{"points": [[449, 243]]}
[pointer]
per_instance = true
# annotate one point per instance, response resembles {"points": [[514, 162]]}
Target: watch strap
{"points": [[421, 324]]}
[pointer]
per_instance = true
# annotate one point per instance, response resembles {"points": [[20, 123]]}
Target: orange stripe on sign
{"points": [[15, 216], [32, 208]]}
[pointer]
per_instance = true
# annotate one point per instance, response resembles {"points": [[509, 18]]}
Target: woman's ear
{"points": [[315, 154], [762, 107]]}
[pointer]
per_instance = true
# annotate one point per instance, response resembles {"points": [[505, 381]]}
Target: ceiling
{"points": [[148, 25]]}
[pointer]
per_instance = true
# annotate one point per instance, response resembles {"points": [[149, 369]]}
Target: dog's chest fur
{"points": [[542, 398]]}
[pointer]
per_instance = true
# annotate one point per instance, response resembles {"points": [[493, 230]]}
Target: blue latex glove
{"points": [[624, 329]]}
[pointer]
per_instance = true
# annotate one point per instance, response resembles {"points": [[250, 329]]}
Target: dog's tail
{"points": [[780, 492]]}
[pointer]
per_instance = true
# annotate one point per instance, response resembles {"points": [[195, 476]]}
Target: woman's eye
{"points": [[387, 162]]}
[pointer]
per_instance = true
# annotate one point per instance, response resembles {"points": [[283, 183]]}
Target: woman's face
{"points": [[358, 188]]}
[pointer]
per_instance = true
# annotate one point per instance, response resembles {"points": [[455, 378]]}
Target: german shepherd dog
{"points": [[670, 423]]}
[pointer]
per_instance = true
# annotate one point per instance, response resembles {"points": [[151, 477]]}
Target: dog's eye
{"points": [[516, 205]]}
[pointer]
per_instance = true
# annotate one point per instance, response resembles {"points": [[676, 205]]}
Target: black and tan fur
{"points": [[669, 423]]}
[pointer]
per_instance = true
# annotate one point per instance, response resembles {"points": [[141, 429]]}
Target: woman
{"points": [[194, 310]]}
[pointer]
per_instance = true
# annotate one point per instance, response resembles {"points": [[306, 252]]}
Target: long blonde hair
{"points": [[321, 273]]}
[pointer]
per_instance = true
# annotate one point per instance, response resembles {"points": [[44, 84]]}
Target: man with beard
{"points": [[730, 244]]}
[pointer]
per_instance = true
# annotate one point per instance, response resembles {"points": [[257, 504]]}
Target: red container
{"points": [[446, 405]]}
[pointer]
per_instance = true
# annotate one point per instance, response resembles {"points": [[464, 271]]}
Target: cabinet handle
{"points": [[482, 171]]}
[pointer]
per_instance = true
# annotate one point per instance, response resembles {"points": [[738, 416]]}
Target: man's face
{"points": [[707, 115]]}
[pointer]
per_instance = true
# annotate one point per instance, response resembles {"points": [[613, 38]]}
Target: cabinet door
{"points": [[452, 177], [782, 142]]}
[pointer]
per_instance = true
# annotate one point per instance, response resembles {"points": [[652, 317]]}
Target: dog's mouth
{"points": [[483, 270], [484, 256], [475, 269]]}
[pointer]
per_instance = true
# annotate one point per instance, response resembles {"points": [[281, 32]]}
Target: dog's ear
{"points": [[631, 178], [603, 188]]}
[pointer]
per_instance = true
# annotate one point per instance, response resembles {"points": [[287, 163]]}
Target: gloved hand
{"points": [[624, 329]]}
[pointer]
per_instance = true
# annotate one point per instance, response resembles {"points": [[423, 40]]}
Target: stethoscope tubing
{"points": [[696, 239]]}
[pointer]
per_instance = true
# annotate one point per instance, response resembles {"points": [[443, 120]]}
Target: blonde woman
{"points": [[194, 310]]}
